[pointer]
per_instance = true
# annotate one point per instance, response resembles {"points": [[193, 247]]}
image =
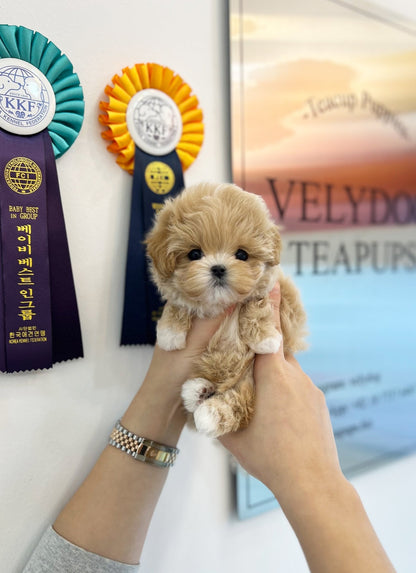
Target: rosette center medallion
{"points": [[154, 122]]}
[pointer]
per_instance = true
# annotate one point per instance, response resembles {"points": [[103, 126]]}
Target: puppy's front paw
{"points": [[269, 345], [195, 391], [169, 339]]}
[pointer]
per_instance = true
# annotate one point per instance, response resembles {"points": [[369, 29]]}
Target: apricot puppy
{"points": [[212, 247]]}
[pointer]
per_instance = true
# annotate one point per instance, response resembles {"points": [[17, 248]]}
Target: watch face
{"points": [[27, 100], [154, 122]]}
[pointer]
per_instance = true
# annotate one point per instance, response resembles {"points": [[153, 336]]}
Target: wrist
{"points": [[168, 370], [318, 500], [155, 416]]}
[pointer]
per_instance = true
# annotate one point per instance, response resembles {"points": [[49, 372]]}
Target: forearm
{"points": [[111, 512], [335, 532]]}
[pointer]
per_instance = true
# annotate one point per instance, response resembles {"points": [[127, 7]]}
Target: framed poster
{"points": [[323, 110]]}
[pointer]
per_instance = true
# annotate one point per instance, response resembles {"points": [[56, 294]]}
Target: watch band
{"points": [[142, 449]]}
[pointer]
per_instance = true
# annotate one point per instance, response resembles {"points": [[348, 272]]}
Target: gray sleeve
{"points": [[54, 554]]}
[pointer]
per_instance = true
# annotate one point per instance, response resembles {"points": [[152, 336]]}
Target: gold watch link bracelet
{"points": [[142, 449]]}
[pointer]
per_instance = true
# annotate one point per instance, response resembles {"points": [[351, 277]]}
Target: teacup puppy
{"points": [[211, 248]]}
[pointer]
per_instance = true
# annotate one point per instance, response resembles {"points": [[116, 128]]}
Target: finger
{"points": [[225, 440], [292, 360], [275, 298], [231, 440], [203, 329]]}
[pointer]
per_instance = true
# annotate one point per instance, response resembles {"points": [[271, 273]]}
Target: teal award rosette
{"points": [[41, 113]]}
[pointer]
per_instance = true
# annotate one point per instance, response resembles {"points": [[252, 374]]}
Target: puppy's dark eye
{"points": [[241, 255], [195, 255]]}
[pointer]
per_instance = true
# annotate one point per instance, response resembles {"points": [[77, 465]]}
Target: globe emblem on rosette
{"points": [[23, 175], [25, 98], [154, 122], [22, 95]]}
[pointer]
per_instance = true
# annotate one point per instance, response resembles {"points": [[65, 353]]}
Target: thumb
{"points": [[203, 329], [275, 298]]}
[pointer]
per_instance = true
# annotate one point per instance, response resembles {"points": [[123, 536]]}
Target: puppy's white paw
{"points": [[195, 391], [269, 345], [214, 419], [169, 339]]}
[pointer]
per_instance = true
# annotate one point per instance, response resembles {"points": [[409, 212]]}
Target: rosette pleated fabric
{"points": [[41, 113], [153, 124]]}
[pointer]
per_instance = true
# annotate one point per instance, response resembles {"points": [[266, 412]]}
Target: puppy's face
{"points": [[213, 246]]}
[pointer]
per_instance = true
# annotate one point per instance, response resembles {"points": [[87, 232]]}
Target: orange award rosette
{"points": [[153, 124], [142, 77]]}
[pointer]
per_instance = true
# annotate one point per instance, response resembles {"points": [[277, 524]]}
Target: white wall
{"points": [[53, 424]]}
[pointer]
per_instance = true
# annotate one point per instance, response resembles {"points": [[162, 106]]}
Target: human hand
{"points": [[289, 444], [168, 370], [156, 411]]}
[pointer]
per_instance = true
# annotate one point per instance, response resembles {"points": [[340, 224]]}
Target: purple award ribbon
{"points": [[39, 321]]}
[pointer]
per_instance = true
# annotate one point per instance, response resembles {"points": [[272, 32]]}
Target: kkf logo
{"points": [[27, 101]]}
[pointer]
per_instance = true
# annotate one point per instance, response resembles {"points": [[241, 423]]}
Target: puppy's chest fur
{"points": [[228, 356], [220, 394]]}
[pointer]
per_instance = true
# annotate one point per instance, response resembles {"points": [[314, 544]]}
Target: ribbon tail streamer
{"points": [[38, 308], [66, 328], [142, 303], [3, 337], [26, 317]]}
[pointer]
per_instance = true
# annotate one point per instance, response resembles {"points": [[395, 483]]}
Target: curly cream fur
{"points": [[220, 220]]}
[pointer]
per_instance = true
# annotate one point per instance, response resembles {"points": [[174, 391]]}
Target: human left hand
{"points": [[168, 370]]}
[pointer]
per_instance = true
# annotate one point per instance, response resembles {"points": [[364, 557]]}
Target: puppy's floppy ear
{"points": [[276, 244], [157, 243]]}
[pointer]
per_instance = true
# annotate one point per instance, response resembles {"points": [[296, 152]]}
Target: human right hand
{"points": [[289, 444]]}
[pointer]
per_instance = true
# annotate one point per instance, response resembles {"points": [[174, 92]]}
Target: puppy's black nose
{"points": [[218, 271]]}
